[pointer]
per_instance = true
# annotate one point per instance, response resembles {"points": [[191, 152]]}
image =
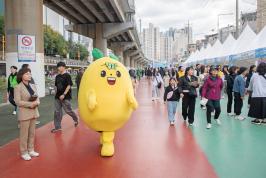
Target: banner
{"points": [[26, 48]]}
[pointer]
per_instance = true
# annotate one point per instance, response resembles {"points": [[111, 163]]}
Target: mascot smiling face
{"points": [[106, 99]]}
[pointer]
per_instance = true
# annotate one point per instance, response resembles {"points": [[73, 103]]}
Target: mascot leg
{"points": [[107, 143]]}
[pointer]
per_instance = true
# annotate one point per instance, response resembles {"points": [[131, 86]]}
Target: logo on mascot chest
{"points": [[111, 76]]}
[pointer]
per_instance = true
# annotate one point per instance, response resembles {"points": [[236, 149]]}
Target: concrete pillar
{"points": [[132, 64], [100, 42], [126, 60], [119, 54], [25, 17]]}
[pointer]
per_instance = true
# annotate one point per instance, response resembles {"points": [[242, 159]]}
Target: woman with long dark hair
{"points": [[172, 96], [229, 89], [257, 86], [188, 85]]}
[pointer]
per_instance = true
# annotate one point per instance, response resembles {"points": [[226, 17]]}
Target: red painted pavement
{"points": [[145, 148]]}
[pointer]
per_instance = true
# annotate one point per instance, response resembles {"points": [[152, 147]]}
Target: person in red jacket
{"points": [[212, 91]]}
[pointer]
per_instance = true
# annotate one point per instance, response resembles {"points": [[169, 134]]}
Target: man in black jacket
{"points": [[188, 85]]}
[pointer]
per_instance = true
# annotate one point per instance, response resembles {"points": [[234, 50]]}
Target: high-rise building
{"points": [[148, 42], [182, 38], [261, 14], [166, 43], [157, 44]]}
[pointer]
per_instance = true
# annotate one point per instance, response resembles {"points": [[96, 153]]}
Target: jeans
{"points": [[171, 108], [188, 108], [58, 113], [213, 105], [238, 103]]}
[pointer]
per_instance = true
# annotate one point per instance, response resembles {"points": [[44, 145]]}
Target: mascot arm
{"points": [[92, 100], [132, 100]]}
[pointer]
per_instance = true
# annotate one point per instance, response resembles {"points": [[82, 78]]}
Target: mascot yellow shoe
{"points": [[106, 99]]}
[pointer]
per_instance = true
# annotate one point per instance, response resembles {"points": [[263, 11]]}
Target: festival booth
{"points": [[244, 51]]}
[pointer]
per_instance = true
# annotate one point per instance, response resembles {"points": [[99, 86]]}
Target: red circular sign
{"points": [[26, 41]]}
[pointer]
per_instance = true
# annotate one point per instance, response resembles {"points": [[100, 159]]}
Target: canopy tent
{"points": [[242, 44], [247, 47], [215, 49], [259, 41]]}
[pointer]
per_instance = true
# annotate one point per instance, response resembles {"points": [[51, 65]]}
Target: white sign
{"points": [[26, 48]]}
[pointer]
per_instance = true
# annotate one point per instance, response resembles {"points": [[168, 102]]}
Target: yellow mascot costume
{"points": [[106, 98]]}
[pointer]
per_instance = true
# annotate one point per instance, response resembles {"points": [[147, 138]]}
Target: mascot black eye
{"points": [[103, 73], [118, 73]]}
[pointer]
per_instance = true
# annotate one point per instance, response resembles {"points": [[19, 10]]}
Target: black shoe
{"points": [[76, 123], [56, 130], [256, 121], [263, 122]]}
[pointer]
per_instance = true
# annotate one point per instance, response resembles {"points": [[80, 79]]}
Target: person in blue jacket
{"points": [[239, 90]]}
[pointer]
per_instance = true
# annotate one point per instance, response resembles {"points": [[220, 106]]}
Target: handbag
{"points": [[204, 101]]}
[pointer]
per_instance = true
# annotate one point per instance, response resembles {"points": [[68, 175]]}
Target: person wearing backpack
{"points": [[172, 96], [11, 84]]}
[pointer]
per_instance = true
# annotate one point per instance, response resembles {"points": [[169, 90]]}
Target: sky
{"points": [[202, 14]]}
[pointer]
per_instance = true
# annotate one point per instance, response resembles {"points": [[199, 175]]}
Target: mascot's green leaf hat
{"points": [[98, 54]]}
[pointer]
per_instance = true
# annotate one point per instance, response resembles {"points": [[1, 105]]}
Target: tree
{"points": [[2, 25], [78, 49], [54, 43]]}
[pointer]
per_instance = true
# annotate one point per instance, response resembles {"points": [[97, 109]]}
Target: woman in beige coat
{"points": [[27, 100]]}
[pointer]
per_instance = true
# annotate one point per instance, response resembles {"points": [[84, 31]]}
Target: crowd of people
{"points": [[211, 83]]}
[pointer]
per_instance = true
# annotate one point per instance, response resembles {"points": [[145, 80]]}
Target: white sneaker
{"points": [[241, 118], [190, 125], [14, 113], [37, 122], [213, 114], [231, 114], [209, 126], [26, 157], [34, 154], [172, 123], [218, 121], [204, 107]]}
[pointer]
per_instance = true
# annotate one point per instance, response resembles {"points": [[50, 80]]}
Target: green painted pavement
{"points": [[236, 149], [9, 125]]}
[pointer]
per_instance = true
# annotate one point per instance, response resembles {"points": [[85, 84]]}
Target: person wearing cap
{"points": [[63, 83], [239, 90], [211, 90], [11, 84]]}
